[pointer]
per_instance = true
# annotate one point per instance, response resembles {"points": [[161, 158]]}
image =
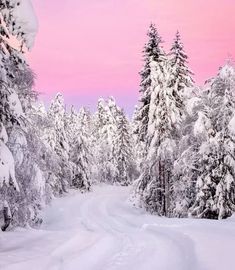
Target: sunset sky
{"points": [[92, 48]]}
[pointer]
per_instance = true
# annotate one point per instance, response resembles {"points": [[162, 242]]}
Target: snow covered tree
{"points": [[17, 21], [81, 169], [154, 61], [56, 114], [187, 165], [180, 76], [106, 130], [123, 152], [85, 123], [216, 184], [7, 164], [72, 125], [78, 130], [43, 154], [166, 111]]}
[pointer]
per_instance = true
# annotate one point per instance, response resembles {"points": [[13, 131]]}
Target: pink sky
{"points": [[92, 48]]}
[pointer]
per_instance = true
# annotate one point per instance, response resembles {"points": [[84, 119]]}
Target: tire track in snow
{"points": [[98, 212], [101, 231]]}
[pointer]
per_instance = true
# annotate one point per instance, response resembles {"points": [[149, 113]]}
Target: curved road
{"points": [[102, 231]]}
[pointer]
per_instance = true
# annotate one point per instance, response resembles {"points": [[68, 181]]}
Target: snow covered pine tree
{"points": [[80, 148], [60, 143], [180, 85], [165, 114], [17, 21], [152, 77], [152, 53], [123, 151], [216, 183]]}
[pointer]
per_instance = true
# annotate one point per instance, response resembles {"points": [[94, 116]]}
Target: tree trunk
{"points": [[7, 217], [163, 190]]}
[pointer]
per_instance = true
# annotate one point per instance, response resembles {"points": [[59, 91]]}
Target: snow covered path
{"points": [[101, 231]]}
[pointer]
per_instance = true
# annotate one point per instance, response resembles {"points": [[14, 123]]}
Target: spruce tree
{"points": [[81, 168], [107, 128], [187, 166], [180, 76], [180, 85], [61, 145], [72, 125], [215, 185], [154, 58], [165, 116], [123, 151]]}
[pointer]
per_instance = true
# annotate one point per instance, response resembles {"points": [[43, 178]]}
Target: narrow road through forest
{"points": [[100, 230]]}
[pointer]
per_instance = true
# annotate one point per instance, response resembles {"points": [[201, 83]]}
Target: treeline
{"points": [[44, 153], [185, 137], [178, 152]]}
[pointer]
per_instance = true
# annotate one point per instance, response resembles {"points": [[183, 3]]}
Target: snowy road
{"points": [[101, 231]]}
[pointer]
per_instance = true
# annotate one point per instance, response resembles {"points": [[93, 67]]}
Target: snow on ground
{"points": [[101, 231]]}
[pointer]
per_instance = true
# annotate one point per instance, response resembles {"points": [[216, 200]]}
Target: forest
{"points": [[177, 152]]}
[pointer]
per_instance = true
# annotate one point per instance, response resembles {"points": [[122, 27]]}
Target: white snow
{"points": [[27, 20], [101, 231], [3, 133], [38, 180], [15, 104], [231, 125], [7, 167]]}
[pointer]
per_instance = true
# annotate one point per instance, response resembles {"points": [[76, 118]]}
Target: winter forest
{"points": [[175, 156]]}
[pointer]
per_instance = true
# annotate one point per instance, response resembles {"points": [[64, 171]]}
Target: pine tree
{"points": [[187, 166], [85, 123], [42, 153], [165, 116], [154, 59], [81, 169], [107, 128], [72, 125], [161, 145], [215, 185], [57, 116], [180, 76], [123, 152], [78, 129]]}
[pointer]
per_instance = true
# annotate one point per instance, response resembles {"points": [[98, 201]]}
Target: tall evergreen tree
{"points": [[57, 116], [216, 184], [81, 168], [106, 130], [154, 59], [180, 76], [188, 165], [16, 92], [123, 152], [72, 125], [166, 112], [180, 85]]}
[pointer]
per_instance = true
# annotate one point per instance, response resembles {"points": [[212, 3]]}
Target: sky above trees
{"points": [[87, 49]]}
